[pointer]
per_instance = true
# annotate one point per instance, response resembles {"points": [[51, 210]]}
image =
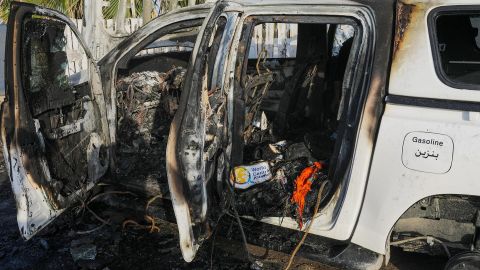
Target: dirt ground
{"points": [[112, 246]]}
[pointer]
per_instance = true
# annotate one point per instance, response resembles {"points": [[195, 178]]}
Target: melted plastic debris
{"points": [[288, 154], [303, 185], [276, 197]]}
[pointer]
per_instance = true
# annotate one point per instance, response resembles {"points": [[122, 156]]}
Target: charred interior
{"points": [[58, 95], [294, 113], [148, 92], [294, 110]]}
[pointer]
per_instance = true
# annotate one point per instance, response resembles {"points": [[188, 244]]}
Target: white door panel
{"points": [[393, 187]]}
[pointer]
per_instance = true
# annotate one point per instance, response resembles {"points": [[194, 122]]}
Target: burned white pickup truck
{"points": [[356, 121]]}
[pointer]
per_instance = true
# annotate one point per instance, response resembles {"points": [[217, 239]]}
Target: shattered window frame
{"points": [[432, 32]]}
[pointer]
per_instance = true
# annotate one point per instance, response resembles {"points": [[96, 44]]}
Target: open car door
{"points": [[195, 149], [54, 125]]}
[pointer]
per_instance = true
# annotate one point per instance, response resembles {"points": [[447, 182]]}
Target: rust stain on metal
{"points": [[403, 19], [372, 109]]}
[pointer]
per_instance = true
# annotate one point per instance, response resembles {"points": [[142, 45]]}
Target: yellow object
{"points": [[243, 177], [240, 175]]}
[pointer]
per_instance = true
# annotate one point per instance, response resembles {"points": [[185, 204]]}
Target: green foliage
{"points": [[110, 11], [73, 8]]}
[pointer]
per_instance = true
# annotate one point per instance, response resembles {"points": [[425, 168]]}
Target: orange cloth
{"points": [[303, 185]]}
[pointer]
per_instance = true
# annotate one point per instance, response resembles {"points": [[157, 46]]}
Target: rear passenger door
{"points": [[195, 147], [54, 126]]}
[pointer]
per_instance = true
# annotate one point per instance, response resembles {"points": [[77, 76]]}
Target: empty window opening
{"points": [[457, 43], [295, 96]]}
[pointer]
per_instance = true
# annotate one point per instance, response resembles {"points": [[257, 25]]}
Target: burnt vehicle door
{"points": [[212, 136], [197, 134], [54, 126]]}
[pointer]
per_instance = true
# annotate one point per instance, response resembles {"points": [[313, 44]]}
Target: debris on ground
{"points": [[83, 252], [43, 243]]}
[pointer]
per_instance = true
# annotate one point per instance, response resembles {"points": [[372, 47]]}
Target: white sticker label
{"points": [[427, 152], [246, 176]]}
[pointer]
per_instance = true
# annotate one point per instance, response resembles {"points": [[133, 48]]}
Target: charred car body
{"points": [[375, 109]]}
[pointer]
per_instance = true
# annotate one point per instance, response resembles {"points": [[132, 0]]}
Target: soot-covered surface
{"points": [[146, 104], [137, 248]]}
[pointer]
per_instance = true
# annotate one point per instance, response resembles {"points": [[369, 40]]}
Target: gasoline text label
{"points": [[427, 152]]}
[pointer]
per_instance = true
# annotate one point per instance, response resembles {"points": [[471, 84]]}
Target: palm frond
{"points": [[111, 11], [73, 8]]}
